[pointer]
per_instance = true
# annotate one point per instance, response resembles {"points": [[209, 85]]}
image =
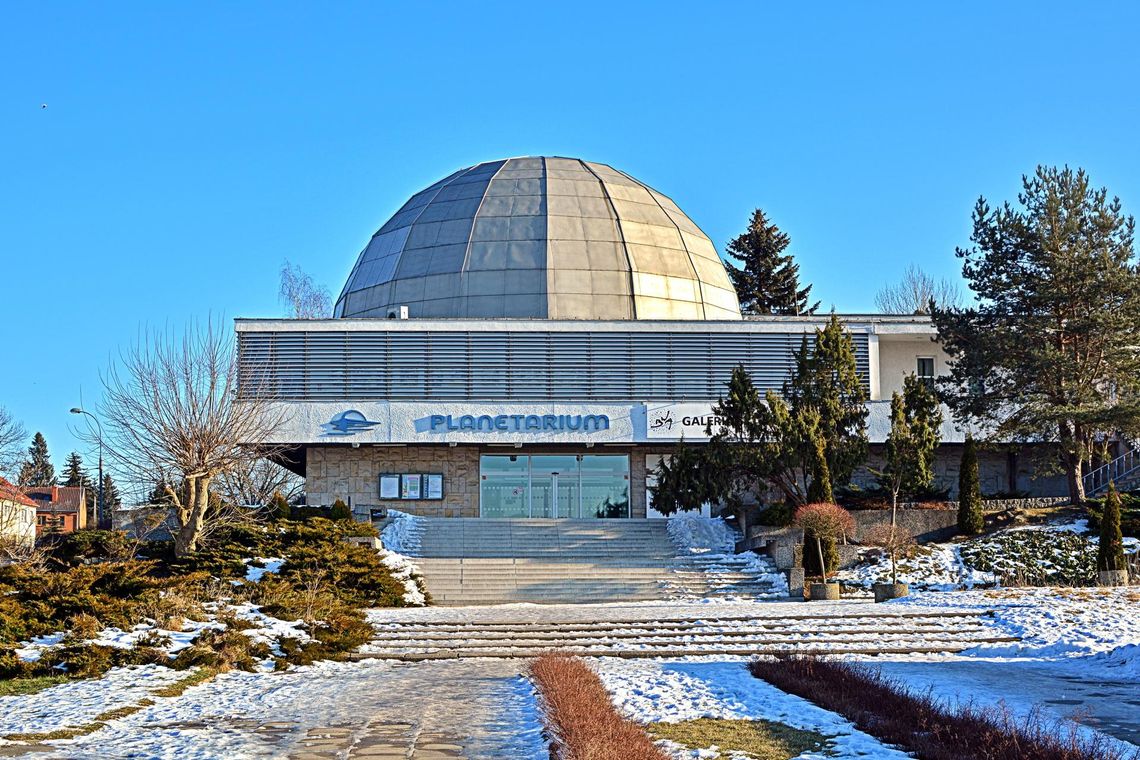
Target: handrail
{"points": [[1097, 480]]}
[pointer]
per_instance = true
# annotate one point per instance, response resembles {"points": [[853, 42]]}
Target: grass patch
{"points": [[581, 719], [887, 710], [757, 739], [178, 687], [19, 687]]}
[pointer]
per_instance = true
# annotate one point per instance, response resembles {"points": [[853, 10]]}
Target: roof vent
{"points": [[397, 312]]}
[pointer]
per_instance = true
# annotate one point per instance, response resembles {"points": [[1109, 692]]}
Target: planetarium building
{"points": [[526, 338]]}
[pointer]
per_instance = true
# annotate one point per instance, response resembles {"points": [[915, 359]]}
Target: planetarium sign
{"points": [[519, 423]]}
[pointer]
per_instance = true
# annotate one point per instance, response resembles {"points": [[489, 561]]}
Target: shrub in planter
{"points": [[824, 522]]}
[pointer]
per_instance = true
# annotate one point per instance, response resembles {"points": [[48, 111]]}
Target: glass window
{"points": [[554, 486], [926, 368], [504, 486], [605, 486]]}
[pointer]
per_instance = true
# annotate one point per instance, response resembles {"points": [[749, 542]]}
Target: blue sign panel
{"points": [[520, 423]]}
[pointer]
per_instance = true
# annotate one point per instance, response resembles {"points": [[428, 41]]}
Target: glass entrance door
{"points": [[554, 485]]}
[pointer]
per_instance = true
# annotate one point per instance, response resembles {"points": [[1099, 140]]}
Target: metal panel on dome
{"points": [[540, 237]]}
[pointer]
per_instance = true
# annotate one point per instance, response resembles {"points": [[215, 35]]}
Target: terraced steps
{"points": [[855, 632], [497, 561]]}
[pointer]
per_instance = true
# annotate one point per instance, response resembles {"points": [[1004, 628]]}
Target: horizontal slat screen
{"points": [[510, 366]]}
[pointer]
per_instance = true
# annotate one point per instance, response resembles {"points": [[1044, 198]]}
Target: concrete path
{"points": [[473, 709], [1060, 689]]}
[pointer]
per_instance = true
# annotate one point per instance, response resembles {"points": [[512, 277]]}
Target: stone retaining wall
{"points": [[924, 524]]}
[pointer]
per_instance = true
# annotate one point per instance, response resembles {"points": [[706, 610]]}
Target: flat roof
{"points": [[881, 324]]}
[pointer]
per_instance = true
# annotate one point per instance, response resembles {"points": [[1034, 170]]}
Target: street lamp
{"points": [[100, 507]]}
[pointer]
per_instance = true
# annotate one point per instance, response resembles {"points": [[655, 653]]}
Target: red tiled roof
{"points": [[69, 498], [9, 492]]}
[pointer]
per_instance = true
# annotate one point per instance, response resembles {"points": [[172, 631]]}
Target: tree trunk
{"points": [[822, 564], [1071, 451], [894, 507], [192, 518]]}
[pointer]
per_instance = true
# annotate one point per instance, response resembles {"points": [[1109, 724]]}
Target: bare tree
{"points": [[256, 481], [304, 298], [915, 292], [12, 436], [171, 414]]}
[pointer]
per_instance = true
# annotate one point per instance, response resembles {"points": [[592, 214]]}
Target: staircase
{"points": [[1123, 472], [477, 561], [676, 631]]}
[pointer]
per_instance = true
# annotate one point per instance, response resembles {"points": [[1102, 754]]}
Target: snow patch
{"points": [[695, 534], [402, 535], [257, 567]]}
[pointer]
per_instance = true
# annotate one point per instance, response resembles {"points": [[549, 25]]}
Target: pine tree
{"points": [[1110, 554], [111, 497], [1048, 349], [826, 381], [768, 280], [37, 469], [970, 519]]}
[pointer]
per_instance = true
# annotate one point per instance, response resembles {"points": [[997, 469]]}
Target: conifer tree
{"points": [[111, 496], [768, 280], [73, 473], [37, 469], [1048, 351], [279, 507], [970, 518], [1110, 553], [909, 450]]}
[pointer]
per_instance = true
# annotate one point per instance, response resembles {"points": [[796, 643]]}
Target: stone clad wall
{"points": [[344, 472]]}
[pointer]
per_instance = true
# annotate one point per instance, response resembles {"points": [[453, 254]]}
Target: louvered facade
{"points": [[529, 363]]}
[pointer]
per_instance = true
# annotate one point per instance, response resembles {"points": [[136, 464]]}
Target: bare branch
{"points": [[12, 436], [304, 298], [913, 294], [171, 415]]}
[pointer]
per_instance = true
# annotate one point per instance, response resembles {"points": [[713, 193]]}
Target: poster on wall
{"points": [[389, 486], [409, 486], [433, 486]]}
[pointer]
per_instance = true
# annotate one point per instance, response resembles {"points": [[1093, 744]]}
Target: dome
{"points": [[540, 238]]}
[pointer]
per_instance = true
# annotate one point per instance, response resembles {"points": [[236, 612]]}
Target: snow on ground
{"points": [[1059, 553], [75, 703], [400, 538], [936, 567], [708, 545], [402, 535], [259, 566], [695, 534], [672, 691], [1052, 622]]}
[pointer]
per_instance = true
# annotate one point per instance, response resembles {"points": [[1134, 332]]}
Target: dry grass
{"points": [[919, 723], [580, 717], [756, 739], [18, 687]]}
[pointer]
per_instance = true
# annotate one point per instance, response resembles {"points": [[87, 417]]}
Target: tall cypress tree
{"points": [[37, 469], [970, 518], [1110, 553], [768, 280]]}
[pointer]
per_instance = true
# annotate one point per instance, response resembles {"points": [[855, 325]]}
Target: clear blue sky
{"points": [[188, 150]]}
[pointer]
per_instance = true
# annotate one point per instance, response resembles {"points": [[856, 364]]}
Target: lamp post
{"points": [[100, 507]]}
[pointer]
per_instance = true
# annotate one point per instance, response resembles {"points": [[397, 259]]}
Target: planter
{"points": [[824, 592], [1113, 577], [885, 591]]}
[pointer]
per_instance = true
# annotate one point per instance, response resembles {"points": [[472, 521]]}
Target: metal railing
{"points": [[1113, 471]]}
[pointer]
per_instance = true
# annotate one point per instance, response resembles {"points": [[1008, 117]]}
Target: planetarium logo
{"points": [[349, 422]]}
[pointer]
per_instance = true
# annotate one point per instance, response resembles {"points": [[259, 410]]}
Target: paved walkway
{"points": [[1061, 690], [428, 711]]}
